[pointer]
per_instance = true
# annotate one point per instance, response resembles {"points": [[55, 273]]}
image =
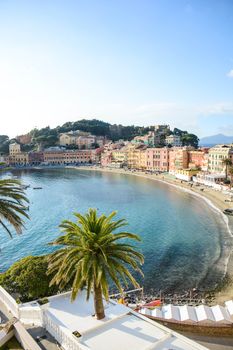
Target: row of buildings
{"points": [[183, 162], [51, 156], [159, 135]]}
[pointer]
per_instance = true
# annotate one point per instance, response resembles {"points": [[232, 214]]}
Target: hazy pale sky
{"points": [[124, 61]]}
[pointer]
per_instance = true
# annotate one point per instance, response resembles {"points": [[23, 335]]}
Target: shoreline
{"points": [[215, 200]]}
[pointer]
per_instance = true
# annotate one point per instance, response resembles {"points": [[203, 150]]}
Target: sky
{"points": [[141, 62]]}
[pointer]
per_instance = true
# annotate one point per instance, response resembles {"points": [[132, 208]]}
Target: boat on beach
{"points": [[228, 211]]}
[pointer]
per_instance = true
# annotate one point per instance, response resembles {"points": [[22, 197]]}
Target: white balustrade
{"points": [[9, 302], [63, 336], [31, 315]]}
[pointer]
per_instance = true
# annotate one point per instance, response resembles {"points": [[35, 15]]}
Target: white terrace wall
{"points": [[9, 302], [5, 337], [61, 334], [24, 338], [31, 315]]}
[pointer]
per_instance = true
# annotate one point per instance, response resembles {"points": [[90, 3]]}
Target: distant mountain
{"points": [[215, 140]]}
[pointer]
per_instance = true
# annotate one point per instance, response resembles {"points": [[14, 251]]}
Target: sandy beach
{"points": [[216, 199]]}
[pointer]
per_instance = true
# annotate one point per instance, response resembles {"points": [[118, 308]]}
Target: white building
{"points": [[173, 140], [75, 327], [211, 180], [216, 157]]}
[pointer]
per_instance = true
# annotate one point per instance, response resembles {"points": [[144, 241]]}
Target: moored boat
{"points": [[228, 211]]}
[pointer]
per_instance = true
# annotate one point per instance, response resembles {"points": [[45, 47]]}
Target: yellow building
{"points": [[186, 174], [20, 159], [216, 157], [71, 138], [67, 139], [137, 157], [14, 148], [119, 155]]}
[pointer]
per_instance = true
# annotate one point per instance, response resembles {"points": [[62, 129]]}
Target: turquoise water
{"points": [[180, 232]]}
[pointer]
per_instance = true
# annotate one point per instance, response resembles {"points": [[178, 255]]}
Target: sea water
{"points": [[181, 234]]}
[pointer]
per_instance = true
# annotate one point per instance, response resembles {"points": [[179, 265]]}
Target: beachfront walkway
{"points": [[212, 343]]}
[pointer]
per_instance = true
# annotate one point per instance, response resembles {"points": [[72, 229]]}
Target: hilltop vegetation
{"points": [[47, 136]]}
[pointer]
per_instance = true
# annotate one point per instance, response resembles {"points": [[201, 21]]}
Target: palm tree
{"points": [[12, 205], [91, 255], [230, 172], [227, 162]]}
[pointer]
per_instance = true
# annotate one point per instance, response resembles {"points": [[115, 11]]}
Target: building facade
{"points": [[198, 159], [178, 159], [216, 158], [61, 157], [157, 159], [14, 148], [173, 140]]}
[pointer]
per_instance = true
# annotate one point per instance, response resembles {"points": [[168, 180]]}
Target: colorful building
{"points": [[157, 159], [61, 157], [119, 155], [86, 142], [216, 157], [173, 140], [35, 158], [178, 159], [70, 138], [136, 157], [14, 148], [186, 174], [198, 159], [18, 159]]}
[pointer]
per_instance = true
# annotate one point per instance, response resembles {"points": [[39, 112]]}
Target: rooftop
{"points": [[121, 329]]}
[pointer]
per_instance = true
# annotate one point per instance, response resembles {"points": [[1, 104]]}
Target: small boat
{"points": [[37, 188], [24, 187], [228, 211]]}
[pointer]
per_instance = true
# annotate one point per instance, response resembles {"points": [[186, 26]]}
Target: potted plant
{"points": [[43, 302]]}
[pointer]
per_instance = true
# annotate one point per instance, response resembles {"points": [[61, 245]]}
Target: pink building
{"points": [[158, 159], [106, 158]]}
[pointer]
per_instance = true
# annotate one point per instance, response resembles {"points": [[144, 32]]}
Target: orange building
{"points": [[198, 159], [178, 159], [61, 157]]}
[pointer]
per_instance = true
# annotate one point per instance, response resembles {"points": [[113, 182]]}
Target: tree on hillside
{"points": [[12, 205], [28, 278], [189, 140], [91, 255], [179, 132], [230, 172], [4, 143], [45, 137]]}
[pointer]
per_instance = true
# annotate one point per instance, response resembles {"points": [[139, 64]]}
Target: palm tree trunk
{"points": [[98, 301]]}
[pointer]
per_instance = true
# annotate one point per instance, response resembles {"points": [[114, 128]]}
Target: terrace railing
{"points": [[31, 315], [63, 336], [9, 302]]}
